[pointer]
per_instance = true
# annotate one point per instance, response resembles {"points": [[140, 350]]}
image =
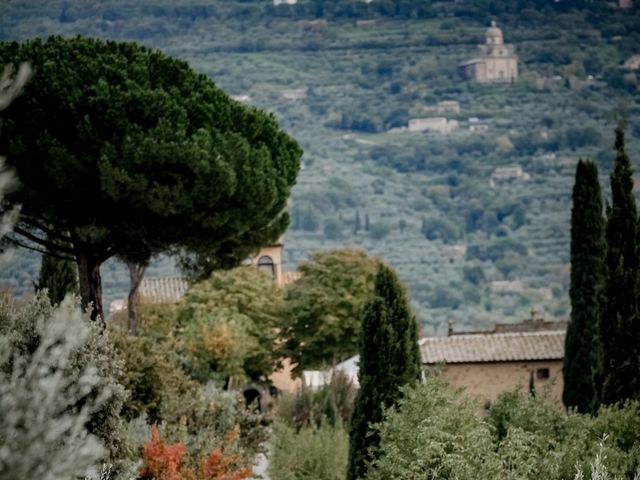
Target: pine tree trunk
{"points": [[90, 285], [136, 273]]}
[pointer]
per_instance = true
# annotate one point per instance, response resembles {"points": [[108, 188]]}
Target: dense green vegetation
{"points": [[588, 250], [435, 432], [389, 360], [136, 154], [322, 323], [619, 323], [370, 67]]}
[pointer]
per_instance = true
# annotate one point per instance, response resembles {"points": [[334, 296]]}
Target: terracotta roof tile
{"points": [[493, 347], [163, 289]]}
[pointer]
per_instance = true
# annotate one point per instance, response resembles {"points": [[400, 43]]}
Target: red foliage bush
{"points": [[167, 462]]}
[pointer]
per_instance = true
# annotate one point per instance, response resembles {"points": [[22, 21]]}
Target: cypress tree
{"points": [[389, 359], [357, 224], [619, 370], [59, 277], [586, 290]]}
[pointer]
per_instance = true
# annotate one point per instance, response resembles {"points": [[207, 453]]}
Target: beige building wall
{"points": [[486, 381], [269, 261], [282, 380], [501, 69]]}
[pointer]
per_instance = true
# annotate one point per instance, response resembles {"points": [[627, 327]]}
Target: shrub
{"points": [[310, 453], [332, 404], [434, 433], [152, 375], [228, 326], [538, 439], [167, 462], [58, 395]]}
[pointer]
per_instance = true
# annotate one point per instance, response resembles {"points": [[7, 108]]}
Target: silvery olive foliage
{"points": [[46, 399], [59, 399]]}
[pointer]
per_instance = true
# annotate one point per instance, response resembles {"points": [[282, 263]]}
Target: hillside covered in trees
{"points": [[475, 242]]}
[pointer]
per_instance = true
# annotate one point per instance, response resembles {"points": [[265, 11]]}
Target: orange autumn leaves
{"points": [[168, 462]]}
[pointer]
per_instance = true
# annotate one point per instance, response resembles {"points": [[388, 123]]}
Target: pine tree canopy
{"points": [[122, 150], [586, 289]]}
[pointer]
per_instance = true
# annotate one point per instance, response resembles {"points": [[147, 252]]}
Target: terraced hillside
{"points": [[472, 246]]}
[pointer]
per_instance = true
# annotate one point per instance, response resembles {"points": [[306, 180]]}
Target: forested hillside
{"points": [[345, 77]]}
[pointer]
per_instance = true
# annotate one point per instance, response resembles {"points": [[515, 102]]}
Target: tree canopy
{"points": [[122, 150], [587, 286], [619, 327], [389, 360], [229, 325], [323, 308]]}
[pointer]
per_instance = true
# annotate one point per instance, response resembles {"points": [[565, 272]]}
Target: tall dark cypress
{"points": [[389, 359], [588, 250], [59, 277], [619, 327]]}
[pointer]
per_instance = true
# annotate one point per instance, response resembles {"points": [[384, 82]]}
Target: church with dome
{"points": [[496, 61]]}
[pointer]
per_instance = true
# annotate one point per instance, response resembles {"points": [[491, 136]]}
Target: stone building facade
{"points": [[496, 61], [487, 364]]}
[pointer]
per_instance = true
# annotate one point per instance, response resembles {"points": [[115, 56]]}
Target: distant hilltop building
{"points": [[448, 106], [632, 63], [293, 94], [496, 60], [434, 124], [508, 173], [241, 98]]}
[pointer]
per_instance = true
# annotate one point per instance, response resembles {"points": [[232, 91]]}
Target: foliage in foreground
{"points": [[434, 433], [58, 395], [311, 453], [163, 461], [199, 416], [310, 441]]}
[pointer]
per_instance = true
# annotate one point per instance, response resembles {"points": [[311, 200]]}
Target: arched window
{"points": [[265, 264]]}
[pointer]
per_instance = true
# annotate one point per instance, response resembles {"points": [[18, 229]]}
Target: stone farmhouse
{"points": [[432, 124], [496, 61], [487, 364]]}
